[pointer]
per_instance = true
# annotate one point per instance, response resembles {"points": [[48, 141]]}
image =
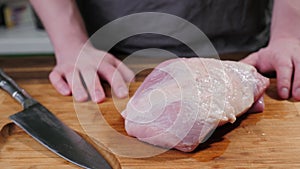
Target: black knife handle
{"points": [[11, 87]]}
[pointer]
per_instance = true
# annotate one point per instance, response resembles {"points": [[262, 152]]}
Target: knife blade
{"points": [[47, 129]]}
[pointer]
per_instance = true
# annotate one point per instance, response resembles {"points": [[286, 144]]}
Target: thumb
{"points": [[258, 106]]}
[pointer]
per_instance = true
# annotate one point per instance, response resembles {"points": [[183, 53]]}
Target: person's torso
{"points": [[231, 25]]}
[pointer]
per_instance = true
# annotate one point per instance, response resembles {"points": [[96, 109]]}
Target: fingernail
{"points": [[65, 91], [122, 92], [285, 93], [297, 94], [261, 101], [99, 96], [80, 96]]}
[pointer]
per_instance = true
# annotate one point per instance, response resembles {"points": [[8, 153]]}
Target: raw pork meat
{"points": [[183, 100]]}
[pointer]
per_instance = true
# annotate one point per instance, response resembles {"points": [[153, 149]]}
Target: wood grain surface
{"points": [[270, 139]]}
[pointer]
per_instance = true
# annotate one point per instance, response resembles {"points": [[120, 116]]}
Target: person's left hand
{"points": [[283, 56]]}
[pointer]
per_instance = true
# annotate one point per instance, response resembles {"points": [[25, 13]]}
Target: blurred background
{"points": [[21, 32]]}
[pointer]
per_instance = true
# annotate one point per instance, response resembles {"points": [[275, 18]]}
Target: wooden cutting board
{"points": [[270, 139]]}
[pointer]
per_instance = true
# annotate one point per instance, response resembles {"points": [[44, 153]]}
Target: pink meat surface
{"points": [[183, 100]]}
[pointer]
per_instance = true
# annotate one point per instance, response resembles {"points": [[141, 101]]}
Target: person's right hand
{"points": [[77, 69]]}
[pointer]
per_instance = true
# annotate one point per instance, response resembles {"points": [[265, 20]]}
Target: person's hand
{"points": [[283, 56], [257, 106], [76, 69]]}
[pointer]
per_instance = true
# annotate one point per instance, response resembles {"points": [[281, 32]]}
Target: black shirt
{"points": [[231, 25]]}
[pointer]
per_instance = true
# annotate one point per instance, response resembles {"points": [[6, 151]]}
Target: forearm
{"points": [[63, 22], [285, 20]]}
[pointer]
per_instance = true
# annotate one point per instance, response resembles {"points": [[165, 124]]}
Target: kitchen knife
{"points": [[48, 130]]}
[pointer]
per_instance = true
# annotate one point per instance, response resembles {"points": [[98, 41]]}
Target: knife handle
{"points": [[11, 87]]}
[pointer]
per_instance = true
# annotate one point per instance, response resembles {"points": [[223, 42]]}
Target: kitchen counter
{"points": [[270, 139]]}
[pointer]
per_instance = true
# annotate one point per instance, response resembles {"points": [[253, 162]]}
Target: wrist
{"points": [[67, 51], [70, 51], [283, 36]]}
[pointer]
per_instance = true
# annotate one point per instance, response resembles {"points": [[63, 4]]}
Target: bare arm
{"points": [[63, 23], [67, 32], [285, 19], [283, 51]]}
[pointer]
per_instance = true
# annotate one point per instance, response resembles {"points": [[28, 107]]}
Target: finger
{"points": [[74, 81], [296, 82], [284, 71], [251, 59], [261, 60], [127, 74], [114, 78], [59, 83], [258, 106], [93, 85]]}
